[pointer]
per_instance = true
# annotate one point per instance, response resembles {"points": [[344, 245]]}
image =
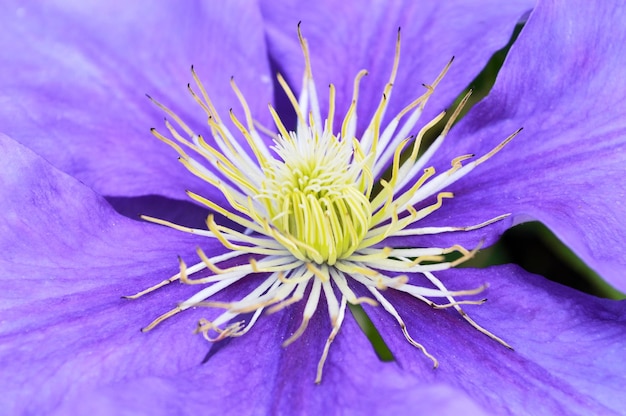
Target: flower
{"points": [[70, 343], [313, 210]]}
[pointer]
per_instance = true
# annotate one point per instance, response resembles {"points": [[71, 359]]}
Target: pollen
{"points": [[315, 209]]}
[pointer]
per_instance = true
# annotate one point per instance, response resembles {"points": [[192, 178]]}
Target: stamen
{"points": [[309, 310], [336, 325], [389, 308], [239, 328], [294, 104], [369, 141], [297, 296], [348, 127], [440, 285], [340, 280], [162, 318], [438, 230], [213, 112], [197, 231]]}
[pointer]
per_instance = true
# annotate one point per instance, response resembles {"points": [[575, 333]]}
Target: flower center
{"points": [[312, 195]]}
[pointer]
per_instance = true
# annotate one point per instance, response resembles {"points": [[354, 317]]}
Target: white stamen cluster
{"points": [[315, 209]]}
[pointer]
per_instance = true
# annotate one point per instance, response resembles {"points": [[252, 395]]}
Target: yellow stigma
{"points": [[312, 194], [309, 226]]}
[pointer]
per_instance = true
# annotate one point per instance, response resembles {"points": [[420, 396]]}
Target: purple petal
{"points": [[563, 82], [76, 74], [347, 37], [568, 346], [245, 378], [67, 260]]}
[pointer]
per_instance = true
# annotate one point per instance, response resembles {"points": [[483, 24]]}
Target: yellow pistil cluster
{"points": [[314, 226], [313, 195]]}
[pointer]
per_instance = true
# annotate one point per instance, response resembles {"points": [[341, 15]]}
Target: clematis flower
{"points": [[77, 152]]}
